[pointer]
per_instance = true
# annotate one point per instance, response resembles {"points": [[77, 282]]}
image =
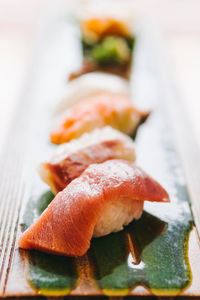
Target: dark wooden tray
{"points": [[27, 143]]}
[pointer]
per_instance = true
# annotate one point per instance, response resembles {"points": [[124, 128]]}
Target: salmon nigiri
{"points": [[98, 111], [103, 199], [71, 159]]}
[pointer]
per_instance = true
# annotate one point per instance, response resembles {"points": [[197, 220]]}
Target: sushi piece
{"points": [[71, 159], [105, 198], [107, 45], [90, 85], [98, 111]]}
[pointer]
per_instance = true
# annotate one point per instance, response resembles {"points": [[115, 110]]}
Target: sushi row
{"points": [[97, 185]]}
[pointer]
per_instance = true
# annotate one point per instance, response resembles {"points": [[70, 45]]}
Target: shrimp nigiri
{"points": [[103, 199], [98, 111], [71, 159]]}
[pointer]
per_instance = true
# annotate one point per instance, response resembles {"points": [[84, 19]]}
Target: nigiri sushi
{"points": [[103, 199], [71, 159], [107, 44], [90, 85], [98, 111]]}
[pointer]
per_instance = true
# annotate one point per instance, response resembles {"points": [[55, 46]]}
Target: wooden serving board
{"points": [[158, 140]]}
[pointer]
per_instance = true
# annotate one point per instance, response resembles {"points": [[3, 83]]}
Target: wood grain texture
{"points": [[47, 79], [153, 68], [183, 135], [12, 193]]}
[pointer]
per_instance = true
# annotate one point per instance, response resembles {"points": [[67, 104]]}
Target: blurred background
{"points": [[179, 21]]}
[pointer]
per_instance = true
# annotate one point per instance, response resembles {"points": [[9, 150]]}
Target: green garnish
{"points": [[112, 50]]}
